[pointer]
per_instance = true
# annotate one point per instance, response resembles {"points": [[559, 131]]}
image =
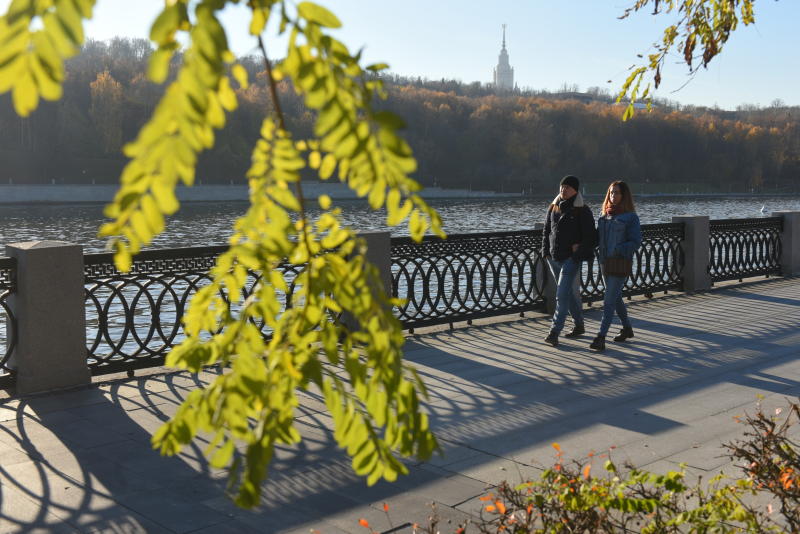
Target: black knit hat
{"points": [[571, 181]]}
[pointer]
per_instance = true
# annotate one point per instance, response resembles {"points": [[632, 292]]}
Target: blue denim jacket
{"points": [[618, 235]]}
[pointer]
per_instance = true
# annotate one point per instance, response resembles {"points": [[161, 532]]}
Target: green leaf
{"points": [[327, 166], [25, 95], [259, 20], [166, 24], [240, 75], [158, 67], [374, 404], [317, 14]]}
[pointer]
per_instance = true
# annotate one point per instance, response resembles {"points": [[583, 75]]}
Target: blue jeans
{"points": [[567, 299], [613, 302]]}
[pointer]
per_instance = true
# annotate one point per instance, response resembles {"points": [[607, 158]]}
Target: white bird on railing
{"points": [[763, 209]]}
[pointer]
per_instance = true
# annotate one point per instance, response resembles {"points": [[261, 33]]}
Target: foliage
{"points": [[336, 332], [571, 497], [106, 110], [460, 136], [523, 142], [706, 25], [769, 455]]}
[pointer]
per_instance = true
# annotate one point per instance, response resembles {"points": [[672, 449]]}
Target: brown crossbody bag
{"points": [[617, 267]]}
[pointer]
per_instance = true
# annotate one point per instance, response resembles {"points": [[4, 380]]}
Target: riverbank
{"points": [[85, 193]]}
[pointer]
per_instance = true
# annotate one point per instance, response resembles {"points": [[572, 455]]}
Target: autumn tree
{"points": [[106, 110]]}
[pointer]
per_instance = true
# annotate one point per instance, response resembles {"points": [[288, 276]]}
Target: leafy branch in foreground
{"points": [[705, 25], [32, 60], [373, 398], [334, 332]]}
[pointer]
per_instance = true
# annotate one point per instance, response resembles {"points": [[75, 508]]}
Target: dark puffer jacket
{"points": [[571, 224]]}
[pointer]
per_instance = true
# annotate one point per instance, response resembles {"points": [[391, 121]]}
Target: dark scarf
{"points": [[614, 210], [564, 205]]}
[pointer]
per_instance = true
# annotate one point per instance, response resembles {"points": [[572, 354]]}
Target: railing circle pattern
{"points": [[134, 319], [739, 248], [467, 276]]}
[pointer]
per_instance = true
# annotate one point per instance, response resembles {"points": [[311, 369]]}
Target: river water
{"points": [[209, 223]]}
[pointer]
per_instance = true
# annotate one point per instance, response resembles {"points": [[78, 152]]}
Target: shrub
{"points": [[569, 498]]}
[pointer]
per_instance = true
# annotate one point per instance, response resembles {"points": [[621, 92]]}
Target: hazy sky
{"points": [[550, 42]]}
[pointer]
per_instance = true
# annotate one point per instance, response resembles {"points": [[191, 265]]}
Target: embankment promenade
{"points": [[80, 460]]}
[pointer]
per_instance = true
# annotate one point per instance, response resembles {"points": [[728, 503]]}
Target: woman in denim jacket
{"points": [[619, 234]]}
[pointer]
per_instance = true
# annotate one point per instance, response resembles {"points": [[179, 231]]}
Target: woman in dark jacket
{"points": [[620, 234], [569, 239]]}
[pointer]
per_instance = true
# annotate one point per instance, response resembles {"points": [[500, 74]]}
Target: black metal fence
{"points": [[657, 264], [472, 276], [8, 322], [467, 276], [134, 319], [740, 248]]}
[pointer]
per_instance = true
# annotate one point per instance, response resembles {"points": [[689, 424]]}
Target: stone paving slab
{"points": [[80, 461]]}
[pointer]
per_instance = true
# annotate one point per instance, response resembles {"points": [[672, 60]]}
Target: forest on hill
{"points": [[463, 135]]}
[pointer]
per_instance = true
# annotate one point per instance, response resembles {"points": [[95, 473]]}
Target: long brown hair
{"points": [[627, 197]]}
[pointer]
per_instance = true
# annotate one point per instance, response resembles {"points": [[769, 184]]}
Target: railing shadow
{"points": [[81, 461]]}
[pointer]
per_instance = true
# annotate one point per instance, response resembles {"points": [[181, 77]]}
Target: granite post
{"points": [[696, 251], [790, 242], [50, 311]]}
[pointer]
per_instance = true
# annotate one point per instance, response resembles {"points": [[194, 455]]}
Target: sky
{"points": [[550, 43]]}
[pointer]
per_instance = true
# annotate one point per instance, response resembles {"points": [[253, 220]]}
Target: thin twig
{"points": [[273, 89], [282, 123]]}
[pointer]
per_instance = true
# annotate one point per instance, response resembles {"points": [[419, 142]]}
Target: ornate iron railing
{"points": [[657, 264], [8, 322], [471, 276], [134, 319], [740, 248], [467, 276]]}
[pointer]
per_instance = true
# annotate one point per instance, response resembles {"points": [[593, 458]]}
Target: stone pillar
{"points": [[790, 242], [51, 323], [696, 250], [379, 253]]}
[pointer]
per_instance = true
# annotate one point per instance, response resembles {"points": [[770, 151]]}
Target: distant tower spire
{"points": [[504, 73]]}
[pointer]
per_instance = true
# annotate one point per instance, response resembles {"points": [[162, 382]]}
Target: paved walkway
{"points": [[80, 461]]}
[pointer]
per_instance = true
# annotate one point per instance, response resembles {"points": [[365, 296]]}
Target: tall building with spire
{"points": [[504, 73]]}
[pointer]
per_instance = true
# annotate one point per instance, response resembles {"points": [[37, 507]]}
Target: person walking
{"points": [[568, 239], [620, 235]]}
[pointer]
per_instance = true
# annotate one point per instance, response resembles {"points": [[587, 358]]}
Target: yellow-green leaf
{"points": [[317, 14]]}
